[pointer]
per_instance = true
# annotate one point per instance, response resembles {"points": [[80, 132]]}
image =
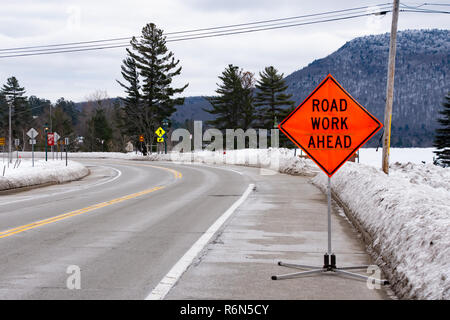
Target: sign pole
{"points": [[32, 133], [46, 141], [32, 150], [66, 145], [329, 215], [9, 145]]}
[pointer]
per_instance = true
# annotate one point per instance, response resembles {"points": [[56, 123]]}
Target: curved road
{"points": [[124, 226]]}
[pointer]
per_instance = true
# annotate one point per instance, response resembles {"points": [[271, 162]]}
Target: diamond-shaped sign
{"points": [[160, 132], [330, 126], [32, 133]]}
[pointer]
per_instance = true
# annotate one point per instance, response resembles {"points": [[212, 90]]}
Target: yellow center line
{"points": [[10, 232], [176, 174]]}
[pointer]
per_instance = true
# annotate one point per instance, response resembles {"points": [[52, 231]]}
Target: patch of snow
{"points": [[407, 214], [271, 160], [26, 175]]}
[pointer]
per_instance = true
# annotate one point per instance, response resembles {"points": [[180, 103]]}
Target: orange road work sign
{"points": [[141, 138], [330, 126]]}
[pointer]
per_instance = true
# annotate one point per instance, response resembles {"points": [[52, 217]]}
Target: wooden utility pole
{"points": [[10, 139], [390, 89]]}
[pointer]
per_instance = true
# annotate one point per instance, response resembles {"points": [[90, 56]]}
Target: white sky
{"points": [[77, 75]]}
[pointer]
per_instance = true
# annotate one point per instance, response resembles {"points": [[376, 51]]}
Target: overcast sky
{"points": [[77, 75]]}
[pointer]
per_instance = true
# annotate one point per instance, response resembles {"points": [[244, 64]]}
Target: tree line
{"points": [[89, 126]]}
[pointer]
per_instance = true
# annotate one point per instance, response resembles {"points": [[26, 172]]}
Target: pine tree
{"points": [[150, 61], [38, 106], [68, 106], [248, 107], [271, 96], [3, 115], [442, 136], [133, 121], [99, 132], [233, 104], [61, 122], [20, 110]]}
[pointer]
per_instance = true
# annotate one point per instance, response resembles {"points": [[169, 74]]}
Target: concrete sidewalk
{"points": [[284, 219]]}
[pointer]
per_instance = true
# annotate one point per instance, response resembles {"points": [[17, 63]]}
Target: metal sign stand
{"points": [[329, 264]]}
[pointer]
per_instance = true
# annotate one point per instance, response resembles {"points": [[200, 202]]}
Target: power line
{"points": [[190, 37], [241, 28], [427, 11], [198, 30], [169, 38]]}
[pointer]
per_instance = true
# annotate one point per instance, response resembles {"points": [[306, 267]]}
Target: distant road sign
{"points": [[141, 138], [50, 139], [160, 132], [2, 141], [16, 142], [160, 139], [330, 126], [32, 133], [56, 136], [66, 141], [32, 141]]}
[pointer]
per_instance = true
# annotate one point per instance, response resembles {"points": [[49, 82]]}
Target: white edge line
{"points": [[169, 280]]}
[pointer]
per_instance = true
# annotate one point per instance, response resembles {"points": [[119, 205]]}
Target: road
{"points": [[124, 226]]}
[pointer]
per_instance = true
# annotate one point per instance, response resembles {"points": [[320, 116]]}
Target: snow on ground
{"points": [[407, 214], [269, 160], [402, 155], [52, 171]]}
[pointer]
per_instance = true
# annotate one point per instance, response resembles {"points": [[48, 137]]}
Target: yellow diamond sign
{"points": [[160, 132]]}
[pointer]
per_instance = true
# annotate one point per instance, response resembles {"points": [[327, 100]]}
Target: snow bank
{"points": [[86, 155], [42, 172], [407, 215], [271, 160], [415, 155]]}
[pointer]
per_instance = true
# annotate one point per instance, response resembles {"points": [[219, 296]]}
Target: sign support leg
{"points": [[329, 215], [329, 264]]}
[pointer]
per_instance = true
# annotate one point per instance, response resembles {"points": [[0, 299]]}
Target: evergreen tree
{"points": [[132, 124], [271, 96], [119, 124], [248, 107], [3, 115], [69, 108], [233, 105], [38, 106], [61, 122], [442, 136], [20, 110], [156, 67], [99, 132]]}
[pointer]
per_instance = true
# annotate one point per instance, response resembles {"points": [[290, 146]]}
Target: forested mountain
{"points": [[421, 82]]}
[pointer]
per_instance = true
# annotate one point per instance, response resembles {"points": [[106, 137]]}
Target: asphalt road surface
{"points": [[124, 226]]}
